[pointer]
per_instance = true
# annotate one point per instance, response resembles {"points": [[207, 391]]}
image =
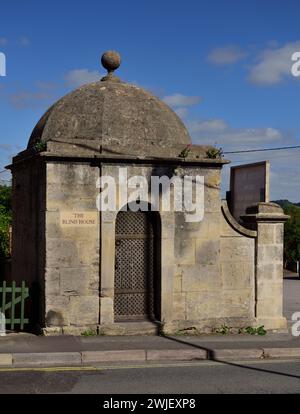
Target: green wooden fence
{"points": [[10, 297]]}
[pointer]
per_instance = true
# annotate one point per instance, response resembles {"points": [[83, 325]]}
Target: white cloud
{"points": [[180, 103], [285, 167], [208, 125], [178, 100], [226, 55], [78, 77], [25, 99], [211, 131], [273, 65]]}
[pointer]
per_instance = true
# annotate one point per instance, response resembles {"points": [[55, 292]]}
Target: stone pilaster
{"points": [[268, 219]]}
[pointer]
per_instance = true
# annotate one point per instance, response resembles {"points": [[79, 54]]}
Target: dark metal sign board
{"points": [[249, 184]]}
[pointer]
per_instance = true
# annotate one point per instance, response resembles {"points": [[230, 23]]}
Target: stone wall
{"points": [[238, 270], [213, 272], [215, 268], [197, 278], [72, 253]]}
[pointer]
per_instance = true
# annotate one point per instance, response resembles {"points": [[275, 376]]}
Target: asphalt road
{"points": [[179, 378]]}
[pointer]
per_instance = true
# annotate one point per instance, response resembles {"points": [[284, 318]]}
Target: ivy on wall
{"points": [[5, 219]]}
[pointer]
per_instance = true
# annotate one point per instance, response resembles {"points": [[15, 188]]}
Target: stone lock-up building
{"points": [[124, 272]]}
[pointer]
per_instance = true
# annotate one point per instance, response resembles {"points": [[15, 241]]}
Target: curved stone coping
{"points": [[234, 224]]}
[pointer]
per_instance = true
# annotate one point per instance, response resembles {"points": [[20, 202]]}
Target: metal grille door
{"points": [[134, 266]]}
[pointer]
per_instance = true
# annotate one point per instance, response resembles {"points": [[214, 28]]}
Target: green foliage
{"points": [[40, 146], [5, 219], [261, 331], [223, 330], [192, 330], [250, 330], [292, 233], [185, 152], [214, 153], [284, 203], [5, 197], [291, 230], [89, 332]]}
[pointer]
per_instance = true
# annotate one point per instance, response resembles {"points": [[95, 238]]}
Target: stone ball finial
{"points": [[111, 60]]}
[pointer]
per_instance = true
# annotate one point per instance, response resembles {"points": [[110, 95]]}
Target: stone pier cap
{"points": [[264, 212]]}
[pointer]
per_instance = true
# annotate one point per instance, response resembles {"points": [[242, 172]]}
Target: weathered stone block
{"points": [[179, 303], [279, 233], [270, 271], [178, 282], [74, 281], [266, 234], [52, 286], [71, 174], [88, 250], [61, 253], [201, 277], [269, 253], [57, 310], [269, 307], [207, 251], [84, 310], [185, 251], [237, 249], [272, 289], [106, 310], [237, 275], [201, 305], [227, 230], [79, 330], [238, 303]]}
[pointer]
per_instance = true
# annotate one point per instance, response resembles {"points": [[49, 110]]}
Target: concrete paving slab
{"points": [[5, 360], [47, 359], [282, 352], [237, 354], [175, 355], [113, 356]]}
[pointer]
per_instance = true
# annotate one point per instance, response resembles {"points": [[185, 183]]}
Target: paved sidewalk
{"points": [[26, 350]]}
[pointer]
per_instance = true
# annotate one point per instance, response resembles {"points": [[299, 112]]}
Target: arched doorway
{"points": [[137, 266]]}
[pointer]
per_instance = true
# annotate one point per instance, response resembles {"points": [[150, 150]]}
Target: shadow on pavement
{"points": [[211, 357]]}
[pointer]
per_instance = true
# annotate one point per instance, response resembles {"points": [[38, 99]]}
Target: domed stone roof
{"points": [[110, 115]]}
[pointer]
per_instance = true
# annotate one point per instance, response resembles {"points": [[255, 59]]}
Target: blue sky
{"points": [[224, 66]]}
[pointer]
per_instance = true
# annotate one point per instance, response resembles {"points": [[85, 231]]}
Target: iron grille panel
{"points": [[134, 266], [133, 223]]}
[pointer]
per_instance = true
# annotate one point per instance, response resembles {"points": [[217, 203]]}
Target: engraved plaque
{"points": [[78, 218]]}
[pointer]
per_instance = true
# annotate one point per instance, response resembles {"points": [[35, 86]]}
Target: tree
{"points": [[292, 233], [5, 219]]}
